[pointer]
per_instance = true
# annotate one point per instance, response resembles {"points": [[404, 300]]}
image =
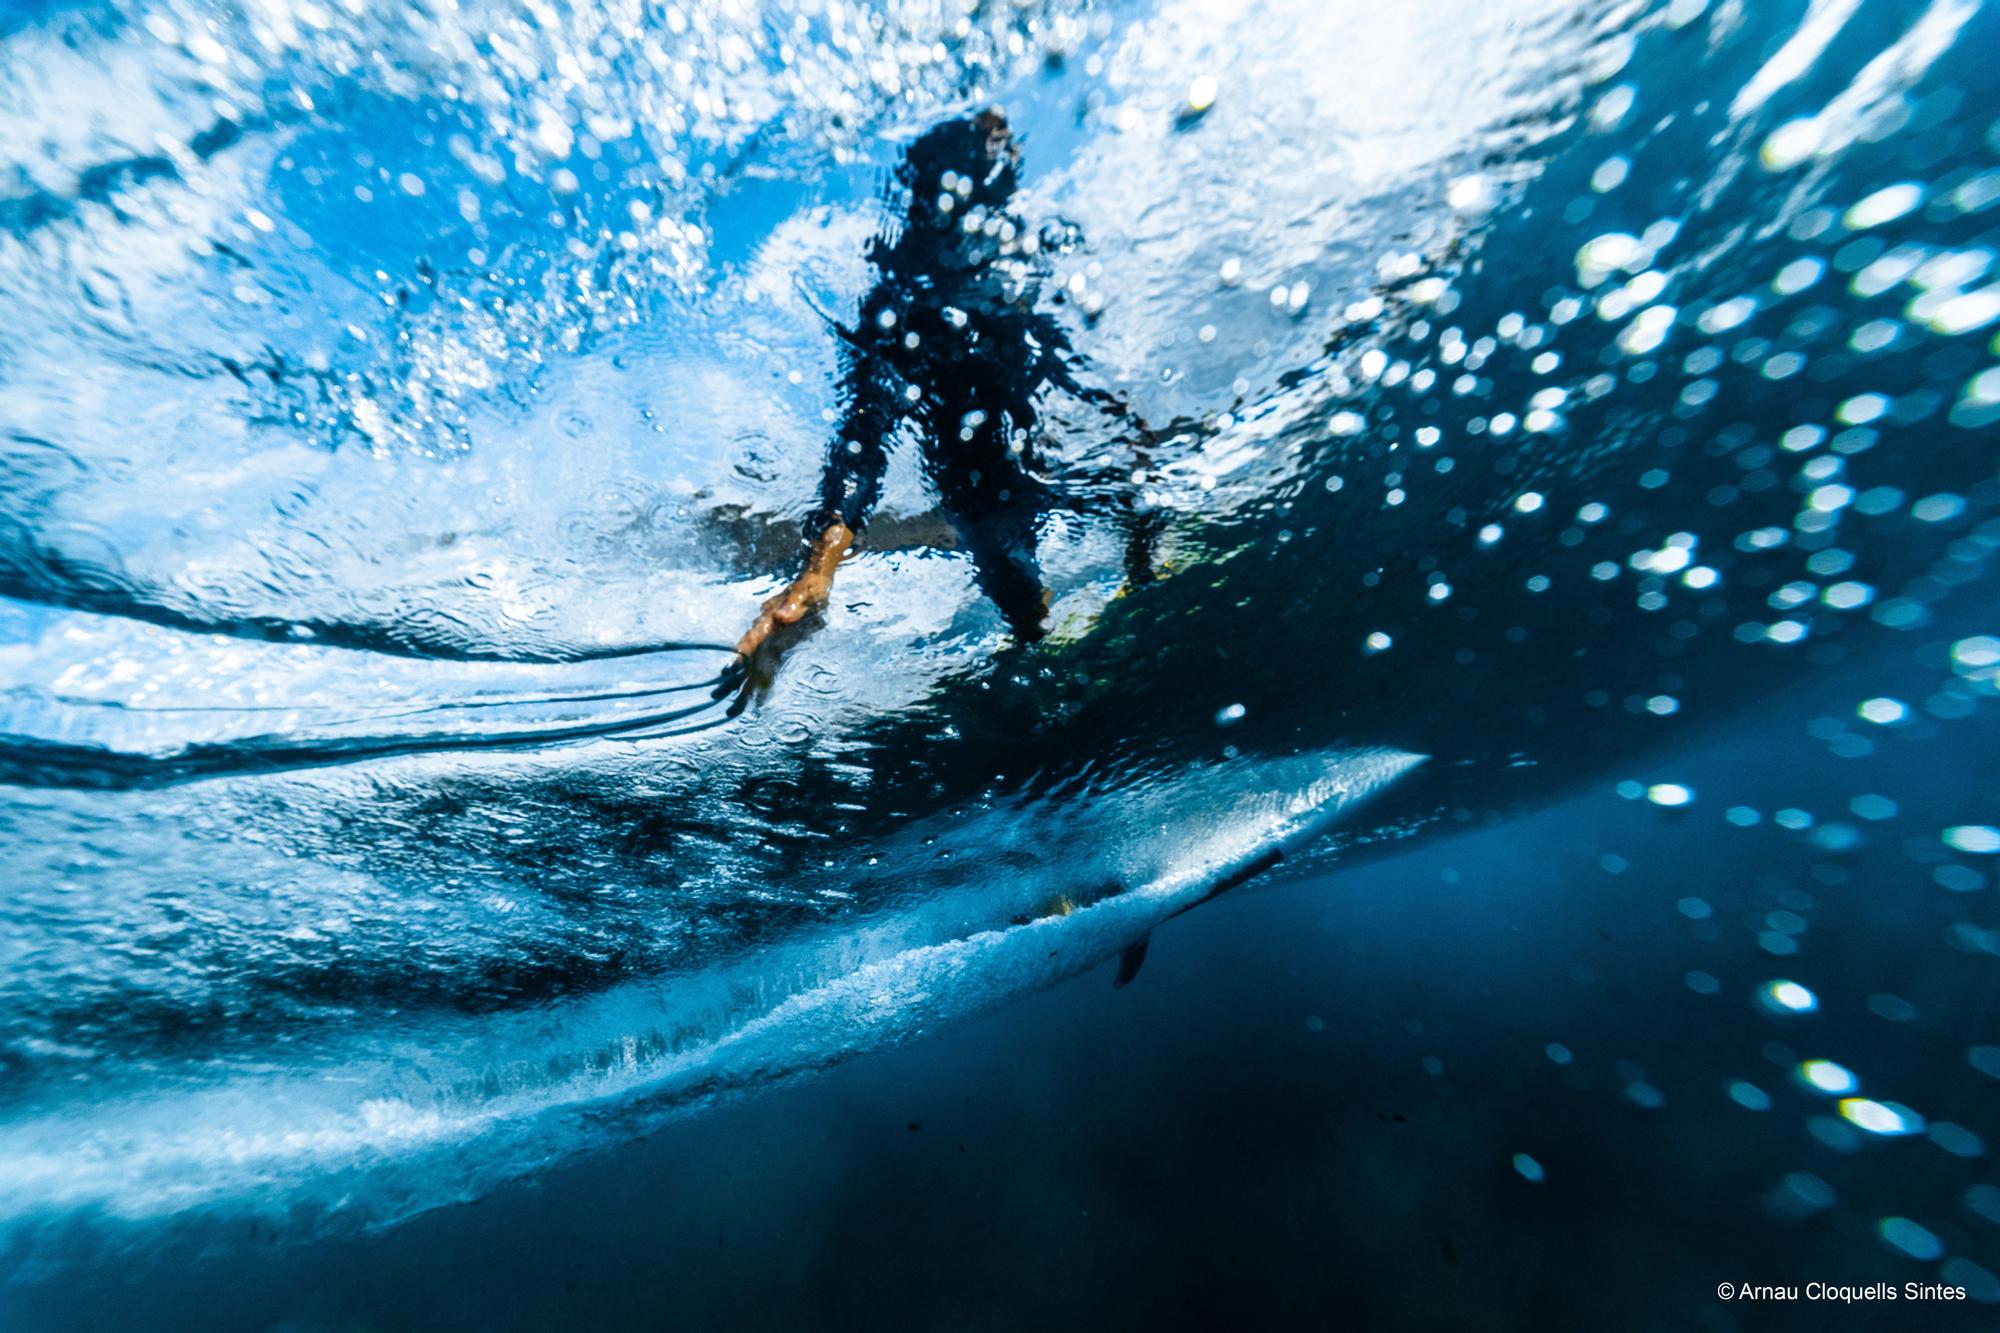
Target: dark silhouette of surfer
{"points": [[950, 349]]}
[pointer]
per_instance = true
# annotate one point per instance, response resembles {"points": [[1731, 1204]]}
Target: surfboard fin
{"points": [[1131, 961]]}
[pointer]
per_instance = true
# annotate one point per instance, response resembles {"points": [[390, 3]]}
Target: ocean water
{"points": [[1573, 428]]}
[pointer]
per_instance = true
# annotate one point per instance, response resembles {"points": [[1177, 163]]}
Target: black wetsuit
{"points": [[950, 349]]}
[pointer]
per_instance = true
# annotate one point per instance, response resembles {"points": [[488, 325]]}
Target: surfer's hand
{"points": [[806, 593]]}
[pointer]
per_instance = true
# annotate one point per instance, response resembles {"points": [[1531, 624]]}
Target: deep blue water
{"points": [[1575, 444]]}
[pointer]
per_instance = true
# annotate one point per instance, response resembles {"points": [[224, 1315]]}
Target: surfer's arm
{"points": [[806, 593], [850, 484]]}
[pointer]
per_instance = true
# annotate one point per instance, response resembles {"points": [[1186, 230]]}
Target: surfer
{"points": [[950, 349]]}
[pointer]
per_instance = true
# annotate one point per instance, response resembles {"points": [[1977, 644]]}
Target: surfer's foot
{"points": [[1036, 630]]}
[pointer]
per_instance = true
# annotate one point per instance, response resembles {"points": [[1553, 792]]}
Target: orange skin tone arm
{"points": [[806, 593]]}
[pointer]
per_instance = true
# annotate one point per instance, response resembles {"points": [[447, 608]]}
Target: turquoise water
{"points": [[1572, 414]]}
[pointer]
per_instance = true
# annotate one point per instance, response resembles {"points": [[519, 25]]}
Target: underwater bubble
{"points": [[1798, 275], [1742, 816], [1980, 1285], [1885, 205], [1976, 839], [1957, 1139], [1749, 1096], [1791, 144], [1939, 508], [1878, 500], [1885, 1118], [1670, 794], [1835, 1133], [1611, 109], [1646, 332], [1977, 652], [1470, 194], [1701, 983], [1828, 1077], [1794, 818], [1964, 312], [1232, 714], [1377, 642], [1883, 712], [1862, 409], [1528, 502], [1983, 389], [1613, 252], [1894, 1008], [1727, 315], [1984, 1199], [1808, 1191], [1919, 1242], [1530, 1169], [1958, 879], [1871, 806], [1201, 93], [1789, 997], [1695, 909]]}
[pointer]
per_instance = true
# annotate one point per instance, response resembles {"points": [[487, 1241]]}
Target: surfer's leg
{"points": [[1002, 547], [1142, 540], [995, 510]]}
